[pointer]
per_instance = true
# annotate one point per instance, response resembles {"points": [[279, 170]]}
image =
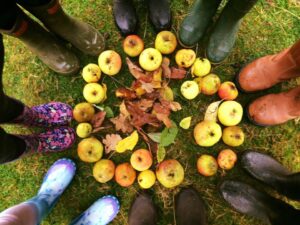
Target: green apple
{"points": [[91, 73], [233, 136], [165, 42], [207, 165], [185, 58], [110, 62], [133, 45], [201, 67], [150, 59], [210, 84], [146, 179], [170, 173], [84, 130], [207, 133], [94, 93], [230, 113], [189, 89]]}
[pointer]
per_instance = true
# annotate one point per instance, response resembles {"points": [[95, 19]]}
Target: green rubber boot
{"points": [[196, 22], [225, 32]]}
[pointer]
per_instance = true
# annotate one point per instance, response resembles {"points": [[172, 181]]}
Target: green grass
{"points": [[270, 26]]}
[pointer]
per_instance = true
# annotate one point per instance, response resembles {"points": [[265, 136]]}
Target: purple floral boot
{"points": [[55, 140], [53, 114]]}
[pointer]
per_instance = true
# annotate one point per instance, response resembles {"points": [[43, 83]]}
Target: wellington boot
{"points": [[269, 70], [196, 22], [189, 208], [271, 172], [160, 14], [125, 16], [80, 34], [274, 109], [142, 211], [44, 45], [224, 34], [260, 205]]}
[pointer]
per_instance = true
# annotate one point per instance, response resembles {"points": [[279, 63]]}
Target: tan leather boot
{"points": [[269, 70], [274, 109], [44, 45], [83, 36]]}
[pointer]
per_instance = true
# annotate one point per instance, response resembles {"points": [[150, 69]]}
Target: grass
{"points": [[270, 26]]}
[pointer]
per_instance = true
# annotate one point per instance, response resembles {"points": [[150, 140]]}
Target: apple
{"points": [[210, 84], [233, 136], [110, 62], [90, 150], [141, 159], [228, 91], [83, 112], [94, 93], [207, 165], [207, 133], [84, 130], [91, 73], [146, 179], [165, 42], [185, 58], [227, 159], [125, 175], [150, 59], [189, 89], [230, 113], [170, 173], [198, 80], [201, 67], [133, 45], [104, 170]]}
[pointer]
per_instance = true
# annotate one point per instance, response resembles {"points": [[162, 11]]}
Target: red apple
{"points": [[133, 45], [207, 165], [227, 159], [141, 160], [125, 175], [228, 91]]}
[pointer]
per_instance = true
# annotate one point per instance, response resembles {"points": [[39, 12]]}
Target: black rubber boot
{"points": [[160, 14], [271, 172], [260, 205], [125, 16], [196, 22], [190, 208], [142, 211], [224, 34]]}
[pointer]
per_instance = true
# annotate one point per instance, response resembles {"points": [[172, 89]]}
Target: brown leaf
{"points": [[148, 87], [125, 93], [165, 67], [123, 109], [137, 72], [174, 106], [98, 119], [145, 104], [162, 113], [110, 141], [177, 73], [122, 123]]}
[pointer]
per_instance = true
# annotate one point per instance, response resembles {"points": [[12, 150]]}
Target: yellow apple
{"points": [[94, 93], [233, 136], [227, 159], [207, 133], [104, 170], [170, 173], [83, 112], [125, 175], [210, 84], [141, 159], [230, 113], [91, 73], [84, 130], [201, 67], [165, 42], [133, 45], [90, 150], [228, 91], [146, 179], [110, 62], [150, 59], [207, 165], [185, 58], [189, 89]]}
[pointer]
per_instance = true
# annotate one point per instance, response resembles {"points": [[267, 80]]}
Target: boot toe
{"points": [[216, 54]]}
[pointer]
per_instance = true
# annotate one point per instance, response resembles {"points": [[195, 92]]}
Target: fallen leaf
{"points": [[165, 67], [109, 112], [166, 93], [98, 119], [122, 123], [148, 87], [211, 113], [161, 154], [185, 123], [137, 72], [177, 73], [153, 146], [168, 135], [162, 113], [123, 109], [125, 93], [145, 104], [110, 142], [154, 137], [128, 143]]}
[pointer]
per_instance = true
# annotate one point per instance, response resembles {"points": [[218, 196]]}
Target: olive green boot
{"points": [[196, 22], [224, 34], [43, 44], [80, 34]]}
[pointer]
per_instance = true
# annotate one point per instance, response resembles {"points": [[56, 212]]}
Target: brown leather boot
{"points": [[269, 70], [142, 211], [275, 109], [83, 36], [44, 45]]}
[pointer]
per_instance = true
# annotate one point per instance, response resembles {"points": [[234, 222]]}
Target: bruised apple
{"points": [[189, 89], [207, 165], [110, 62], [210, 84], [170, 173], [185, 58], [227, 159], [91, 73], [104, 170], [141, 160], [125, 175], [133, 45], [84, 130], [228, 91], [83, 112], [233, 136]]}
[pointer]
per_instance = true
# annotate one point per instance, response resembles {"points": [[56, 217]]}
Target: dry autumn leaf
{"points": [[98, 119], [177, 73], [110, 141], [211, 113], [122, 123]]}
